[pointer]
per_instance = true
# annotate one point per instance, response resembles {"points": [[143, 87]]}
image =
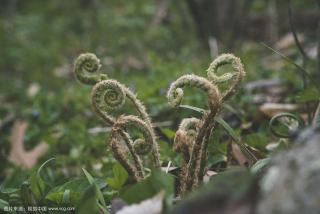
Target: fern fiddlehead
{"points": [[192, 173], [87, 69], [109, 96], [175, 95], [235, 77], [183, 142]]}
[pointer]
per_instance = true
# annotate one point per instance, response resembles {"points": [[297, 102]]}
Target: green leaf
{"points": [[37, 184], [91, 181], [3, 204], [120, 177], [196, 109], [75, 186], [309, 94], [27, 195], [66, 197], [89, 201], [43, 165], [228, 128], [9, 190], [259, 165], [216, 159], [256, 140], [149, 187], [168, 132], [236, 138]]}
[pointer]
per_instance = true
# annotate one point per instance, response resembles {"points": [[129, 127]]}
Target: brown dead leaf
{"points": [[235, 155], [18, 155], [288, 41], [271, 109]]}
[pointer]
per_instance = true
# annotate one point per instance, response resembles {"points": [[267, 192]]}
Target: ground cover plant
{"points": [[159, 106]]}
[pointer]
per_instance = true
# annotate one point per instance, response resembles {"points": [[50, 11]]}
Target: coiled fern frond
{"points": [[108, 96], [193, 134]]}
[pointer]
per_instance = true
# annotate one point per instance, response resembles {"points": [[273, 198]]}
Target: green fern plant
{"points": [[191, 138]]}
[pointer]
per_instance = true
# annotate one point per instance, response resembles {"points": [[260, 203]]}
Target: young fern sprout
{"points": [[108, 96], [87, 69], [235, 77], [193, 134], [183, 142]]}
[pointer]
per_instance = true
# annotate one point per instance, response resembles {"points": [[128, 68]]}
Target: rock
{"points": [[291, 183]]}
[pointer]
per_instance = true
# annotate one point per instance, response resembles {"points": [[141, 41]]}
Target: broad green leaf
{"points": [[149, 187], [120, 176], [256, 140]]}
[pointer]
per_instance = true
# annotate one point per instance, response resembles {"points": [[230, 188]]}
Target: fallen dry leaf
{"points": [[271, 109], [288, 41], [235, 155], [18, 155]]}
